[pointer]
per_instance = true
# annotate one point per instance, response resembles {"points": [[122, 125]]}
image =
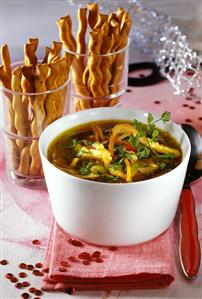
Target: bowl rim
{"points": [[118, 109]]}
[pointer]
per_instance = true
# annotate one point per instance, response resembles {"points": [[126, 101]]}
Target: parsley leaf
{"points": [[143, 153], [150, 118], [165, 116]]}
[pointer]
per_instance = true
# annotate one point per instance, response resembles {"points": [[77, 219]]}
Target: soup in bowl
{"points": [[114, 175]]}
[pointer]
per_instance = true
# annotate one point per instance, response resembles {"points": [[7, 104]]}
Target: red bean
{"points": [[99, 260], [75, 243], [18, 285], [25, 284], [22, 266], [46, 270], [30, 267], [85, 256], [72, 259], [4, 262], [9, 275], [14, 279], [22, 274], [38, 292], [39, 265], [64, 264], [37, 273], [36, 242], [86, 263], [62, 269], [96, 254], [25, 295], [32, 290]]}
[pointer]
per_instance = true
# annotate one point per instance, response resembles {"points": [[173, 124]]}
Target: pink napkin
{"points": [[85, 266]]}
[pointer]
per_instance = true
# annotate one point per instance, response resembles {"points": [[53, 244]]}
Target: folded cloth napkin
{"points": [[75, 264]]}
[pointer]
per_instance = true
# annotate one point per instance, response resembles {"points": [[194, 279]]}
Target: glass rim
{"points": [[10, 91], [99, 55]]}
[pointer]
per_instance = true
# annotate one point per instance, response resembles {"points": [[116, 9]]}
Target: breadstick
{"points": [[94, 61], [6, 61], [47, 51], [101, 19], [23, 168], [118, 66], [29, 52], [39, 116], [81, 43], [65, 33], [60, 95], [107, 44], [93, 14], [50, 102], [18, 107], [54, 53], [11, 118]]}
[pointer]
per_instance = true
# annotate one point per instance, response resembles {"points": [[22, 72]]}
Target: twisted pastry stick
{"points": [[61, 94], [50, 102], [27, 86], [6, 61], [100, 21], [65, 33], [94, 61], [107, 44], [39, 116], [29, 52], [93, 14], [54, 53], [47, 51], [120, 57], [81, 43], [69, 42], [11, 117], [18, 107]]}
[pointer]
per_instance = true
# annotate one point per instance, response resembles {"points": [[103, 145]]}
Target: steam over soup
{"points": [[115, 151]]}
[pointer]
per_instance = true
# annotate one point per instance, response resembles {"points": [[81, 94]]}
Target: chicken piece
{"points": [[98, 151], [118, 130]]}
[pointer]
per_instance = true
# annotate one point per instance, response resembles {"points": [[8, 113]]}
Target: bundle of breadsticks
{"points": [[97, 76], [29, 108]]}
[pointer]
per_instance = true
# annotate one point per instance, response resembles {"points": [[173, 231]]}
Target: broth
{"points": [[115, 151]]}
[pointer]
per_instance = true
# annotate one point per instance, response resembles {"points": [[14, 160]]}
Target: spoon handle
{"points": [[190, 253]]}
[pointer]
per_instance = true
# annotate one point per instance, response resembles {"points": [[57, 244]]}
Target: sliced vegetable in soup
{"points": [[116, 151]]}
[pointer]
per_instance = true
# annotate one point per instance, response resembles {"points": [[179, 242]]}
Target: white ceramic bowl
{"points": [[106, 213]]}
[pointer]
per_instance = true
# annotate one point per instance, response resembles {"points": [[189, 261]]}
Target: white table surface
{"points": [[19, 21]]}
